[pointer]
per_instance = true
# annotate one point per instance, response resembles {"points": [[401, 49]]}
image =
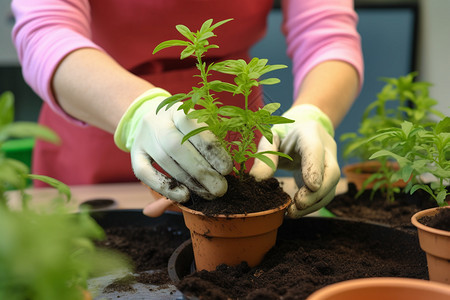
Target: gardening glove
{"points": [[197, 165], [309, 142]]}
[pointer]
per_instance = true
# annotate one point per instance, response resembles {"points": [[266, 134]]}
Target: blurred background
{"points": [[398, 36]]}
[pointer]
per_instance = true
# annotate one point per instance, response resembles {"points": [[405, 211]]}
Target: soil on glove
{"points": [[309, 257], [378, 209]]}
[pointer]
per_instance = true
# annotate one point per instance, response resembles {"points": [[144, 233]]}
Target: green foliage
{"points": [[401, 99], [47, 254], [420, 150], [201, 105]]}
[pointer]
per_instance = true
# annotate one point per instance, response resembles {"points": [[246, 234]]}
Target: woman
{"points": [[92, 64]]}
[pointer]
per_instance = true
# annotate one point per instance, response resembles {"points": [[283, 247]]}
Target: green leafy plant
{"points": [[46, 252], [202, 105], [400, 99], [420, 150]]}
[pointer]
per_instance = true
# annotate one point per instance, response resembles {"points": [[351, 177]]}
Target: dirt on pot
{"points": [[378, 209]]}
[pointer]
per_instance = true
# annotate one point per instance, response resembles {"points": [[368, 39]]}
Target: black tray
{"points": [[117, 218], [181, 263]]}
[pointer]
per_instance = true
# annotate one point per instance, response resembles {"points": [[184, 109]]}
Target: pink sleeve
{"points": [[44, 33], [321, 30]]}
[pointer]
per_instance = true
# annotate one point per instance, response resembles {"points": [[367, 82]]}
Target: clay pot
{"points": [[358, 173], [385, 288], [436, 244], [232, 239]]}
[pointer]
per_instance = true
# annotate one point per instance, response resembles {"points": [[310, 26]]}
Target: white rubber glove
{"points": [[309, 141], [198, 164]]}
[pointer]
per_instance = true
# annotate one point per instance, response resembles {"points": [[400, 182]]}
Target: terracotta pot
{"points": [[232, 239], [436, 244], [384, 288], [357, 173]]}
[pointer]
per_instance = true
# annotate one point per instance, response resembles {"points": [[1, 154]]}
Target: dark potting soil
{"points": [[441, 220], [149, 248], [309, 257], [242, 197], [378, 209]]}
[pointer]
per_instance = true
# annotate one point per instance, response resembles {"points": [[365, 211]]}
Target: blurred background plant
{"points": [[401, 99], [46, 252]]}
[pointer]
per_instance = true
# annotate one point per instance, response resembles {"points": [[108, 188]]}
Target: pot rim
{"points": [[237, 216], [429, 212], [366, 164], [381, 282]]}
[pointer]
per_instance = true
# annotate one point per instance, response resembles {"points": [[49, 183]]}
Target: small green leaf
{"points": [[194, 132], [170, 43], [231, 111], [6, 108], [443, 126], [269, 81], [220, 23], [170, 101], [28, 129], [219, 86], [188, 51], [184, 30], [265, 160], [271, 107]]}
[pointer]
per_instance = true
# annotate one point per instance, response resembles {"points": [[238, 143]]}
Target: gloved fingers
{"points": [[142, 166], [157, 207], [311, 148], [205, 142], [186, 164], [305, 197], [260, 170], [294, 212]]}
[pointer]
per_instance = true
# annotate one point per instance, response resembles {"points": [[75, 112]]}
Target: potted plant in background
{"points": [[45, 251], [224, 120], [418, 151], [401, 99]]}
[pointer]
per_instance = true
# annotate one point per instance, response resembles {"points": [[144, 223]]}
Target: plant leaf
{"points": [[171, 43], [62, 188], [6, 108]]}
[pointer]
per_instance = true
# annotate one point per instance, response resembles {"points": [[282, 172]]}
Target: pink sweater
{"points": [[48, 30]]}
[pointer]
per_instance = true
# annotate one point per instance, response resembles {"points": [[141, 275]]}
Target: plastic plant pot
{"points": [[436, 244], [232, 239], [385, 288]]}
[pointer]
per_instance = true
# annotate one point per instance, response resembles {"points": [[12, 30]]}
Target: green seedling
{"points": [[202, 105]]}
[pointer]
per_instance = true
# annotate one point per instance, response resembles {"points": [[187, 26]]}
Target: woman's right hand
{"points": [[197, 165]]}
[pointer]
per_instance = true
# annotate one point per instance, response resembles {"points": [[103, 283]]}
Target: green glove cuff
{"points": [[125, 131], [302, 113]]}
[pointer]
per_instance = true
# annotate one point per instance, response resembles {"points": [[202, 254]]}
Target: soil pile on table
{"points": [[311, 255]]}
